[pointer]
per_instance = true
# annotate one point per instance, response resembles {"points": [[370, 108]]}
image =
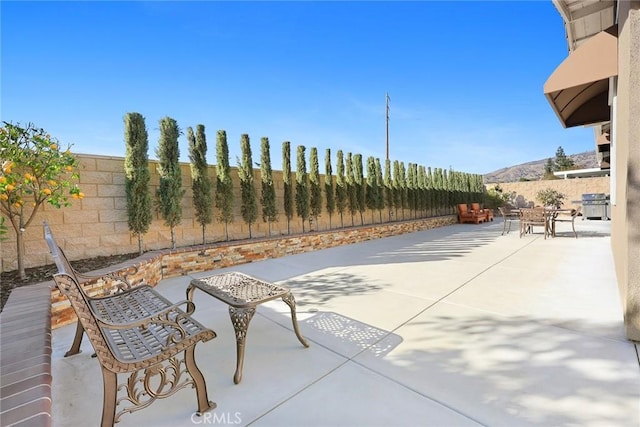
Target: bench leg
{"points": [[110, 386], [240, 318], [77, 340], [204, 404], [291, 302]]}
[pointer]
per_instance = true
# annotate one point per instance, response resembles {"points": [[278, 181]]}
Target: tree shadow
{"points": [[515, 371]]}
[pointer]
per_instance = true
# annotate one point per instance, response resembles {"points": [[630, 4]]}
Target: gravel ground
{"points": [[10, 279]]}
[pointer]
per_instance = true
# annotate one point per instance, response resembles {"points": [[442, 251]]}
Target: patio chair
{"points": [[508, 215], [488, 213], [533, 217], [568, 218], [466, 215]]}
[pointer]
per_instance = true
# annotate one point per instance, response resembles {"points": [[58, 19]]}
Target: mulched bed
{"points": [[11, 279]]}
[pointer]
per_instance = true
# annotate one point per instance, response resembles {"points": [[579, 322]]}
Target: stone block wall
{"points": [[572, 188], [97, 224]]}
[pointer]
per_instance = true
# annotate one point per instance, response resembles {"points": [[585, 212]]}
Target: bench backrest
{"points": [[71, 288], [58, 255]]}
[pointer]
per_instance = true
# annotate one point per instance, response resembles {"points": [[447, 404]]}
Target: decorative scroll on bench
{"points": [[136, 332]]}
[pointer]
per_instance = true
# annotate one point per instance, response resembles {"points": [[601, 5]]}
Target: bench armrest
{"points": [[123, 282]]}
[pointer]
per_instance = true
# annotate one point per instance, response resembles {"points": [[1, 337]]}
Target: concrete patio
{"points": [[455, 326]]}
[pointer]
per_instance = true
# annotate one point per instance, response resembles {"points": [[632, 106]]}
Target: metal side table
{"points": [[243, 293]]}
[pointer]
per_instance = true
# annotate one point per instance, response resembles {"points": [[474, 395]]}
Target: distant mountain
{"points": [[534, 170]]}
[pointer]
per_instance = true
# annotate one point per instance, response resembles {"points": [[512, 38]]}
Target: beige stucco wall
{"points": [[573, 189], [626, 213]]}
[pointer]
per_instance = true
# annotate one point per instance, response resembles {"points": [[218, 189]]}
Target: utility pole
{"points": [[387, 125]]}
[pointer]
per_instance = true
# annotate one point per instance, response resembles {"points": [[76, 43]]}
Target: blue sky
{"points": [[465, 78]]}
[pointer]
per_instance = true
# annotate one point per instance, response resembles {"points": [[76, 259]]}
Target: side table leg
{"points": [[291, 302], [240, 318]]}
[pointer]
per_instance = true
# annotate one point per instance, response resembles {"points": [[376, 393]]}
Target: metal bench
{"points": [[140, 333]]}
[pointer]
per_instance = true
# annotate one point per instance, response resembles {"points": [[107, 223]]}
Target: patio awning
{"points": [[578, 90]]}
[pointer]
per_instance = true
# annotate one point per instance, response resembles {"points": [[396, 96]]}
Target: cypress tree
{"points": [[200, 180], [302, 187], [249, 206], [341, 186], [422, 191], [403, 188], [329, 189], [380, 187], [411, 189], [430, 190], [268, 197], [288, 186], [360, 185], [397, 188], [371, 196], [170, 192], [388, 187], [315, 190], [224, 184], [352, 198], [136, 168]]}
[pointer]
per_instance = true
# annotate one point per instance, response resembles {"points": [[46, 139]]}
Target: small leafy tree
{"points": [[315, 190], [288, 186], [200, 180], [170, 192], [249, 207], [137, 176], [268, 195], [302, 187], [550, 197], [34, 171], [329, 188], [224, 184], [341, 187]]}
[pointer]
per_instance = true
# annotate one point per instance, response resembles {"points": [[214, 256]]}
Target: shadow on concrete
{"points": [[516, 371], [353, 333]]}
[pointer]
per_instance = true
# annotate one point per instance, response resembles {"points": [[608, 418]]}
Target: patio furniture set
{"points": [[539, 216], [474, 214], [137, 332], [526, 217]]}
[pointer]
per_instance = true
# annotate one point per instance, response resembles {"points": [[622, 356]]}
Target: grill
{"points": [[595, 206]]}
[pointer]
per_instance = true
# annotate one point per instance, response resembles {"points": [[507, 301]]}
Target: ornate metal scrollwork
{"points": [[141, 391]]}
